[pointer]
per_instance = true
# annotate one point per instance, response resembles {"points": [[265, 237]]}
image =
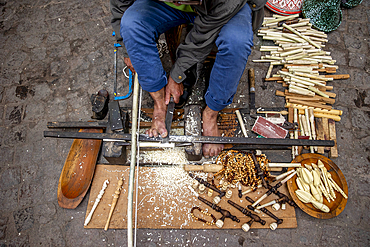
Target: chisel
{"points": [[169, 116]]}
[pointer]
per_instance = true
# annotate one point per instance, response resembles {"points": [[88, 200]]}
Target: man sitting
{"points": [[227, 23]]}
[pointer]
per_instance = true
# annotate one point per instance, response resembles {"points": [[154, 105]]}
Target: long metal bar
{"points": [[78, 124], [192, 139], [135, 104]]}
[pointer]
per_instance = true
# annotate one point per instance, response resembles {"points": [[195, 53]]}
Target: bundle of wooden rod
{"points": [[299, 49]]}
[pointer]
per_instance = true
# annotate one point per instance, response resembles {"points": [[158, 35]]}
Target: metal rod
{"points": [[130, 239], [115, 72], [192, 139]]}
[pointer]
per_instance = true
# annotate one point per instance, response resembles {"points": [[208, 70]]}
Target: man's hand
{"points": [[127, 61], [173, 89]]}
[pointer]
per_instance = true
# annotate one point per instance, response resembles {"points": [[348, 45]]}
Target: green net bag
{"points": [[324, 15], [350, 3]]}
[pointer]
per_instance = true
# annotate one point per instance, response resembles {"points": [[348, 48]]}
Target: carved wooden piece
{"points": [[307, 198], [251, 207], [78, 170], [114, 201], [225, 213], [97, 200], [337, 206], [246, 212]]}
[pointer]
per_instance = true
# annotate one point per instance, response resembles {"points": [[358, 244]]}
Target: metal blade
{"points": [[169, 117]]}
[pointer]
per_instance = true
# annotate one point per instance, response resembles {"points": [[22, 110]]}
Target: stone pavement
{"points": [[55, 54]]}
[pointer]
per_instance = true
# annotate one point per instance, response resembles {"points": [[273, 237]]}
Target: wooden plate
{"points": [[285, 7], [336, 206]]}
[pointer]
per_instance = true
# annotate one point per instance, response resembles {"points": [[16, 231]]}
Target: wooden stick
{"points": [[317, 91], [114, 201], [309, 104], [241, 122], [290, 17], [274, 112], [298, 90], [329, 116], [295, 131], [338, 77], [302, 125], [320, 134], [332, 111], [130, 191], [312, 121], [333, 136], [302, 36], [308, 127], [269, 70], [325, 124], [274, 78], [314, 76], [97, 200], [284, 165], [308, 98]]}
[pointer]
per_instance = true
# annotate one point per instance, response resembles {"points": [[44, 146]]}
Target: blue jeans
{"points": [[145, 20]]}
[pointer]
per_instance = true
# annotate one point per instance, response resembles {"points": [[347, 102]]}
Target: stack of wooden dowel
{"points": [[299, 49]]}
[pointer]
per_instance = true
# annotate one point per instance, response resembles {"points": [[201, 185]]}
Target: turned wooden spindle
{"points": [[225, 213], [246, 212], [278, 221], [114, 202], [208, 185], [259, 170]]}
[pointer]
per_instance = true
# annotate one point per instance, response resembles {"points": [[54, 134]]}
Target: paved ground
{"points": [[55, 54]]}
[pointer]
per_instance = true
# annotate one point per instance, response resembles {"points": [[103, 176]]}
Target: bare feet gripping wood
{"points": [[210, 128]]}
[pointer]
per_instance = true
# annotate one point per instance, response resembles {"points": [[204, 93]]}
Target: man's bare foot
{"points": [[159, 115], [210, 128]]}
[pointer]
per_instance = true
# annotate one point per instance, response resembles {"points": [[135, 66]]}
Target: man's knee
{"points": [[236, 43], [131, 25]]}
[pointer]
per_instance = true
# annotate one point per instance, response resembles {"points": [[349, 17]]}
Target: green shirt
{"points": [[182, 7]]}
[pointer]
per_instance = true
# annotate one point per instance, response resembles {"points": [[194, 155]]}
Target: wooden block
{"points": [[279, 93], [193, 127], [320, 134], [333, 136]]}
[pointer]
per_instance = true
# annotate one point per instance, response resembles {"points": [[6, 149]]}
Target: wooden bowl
{"points": [[336, 206], [78, 170]]}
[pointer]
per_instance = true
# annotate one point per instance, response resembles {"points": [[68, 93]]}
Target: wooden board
{"points": [[166, 203]]}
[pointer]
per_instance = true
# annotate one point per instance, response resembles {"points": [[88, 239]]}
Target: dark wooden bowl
{"points": [[336, 206]]}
